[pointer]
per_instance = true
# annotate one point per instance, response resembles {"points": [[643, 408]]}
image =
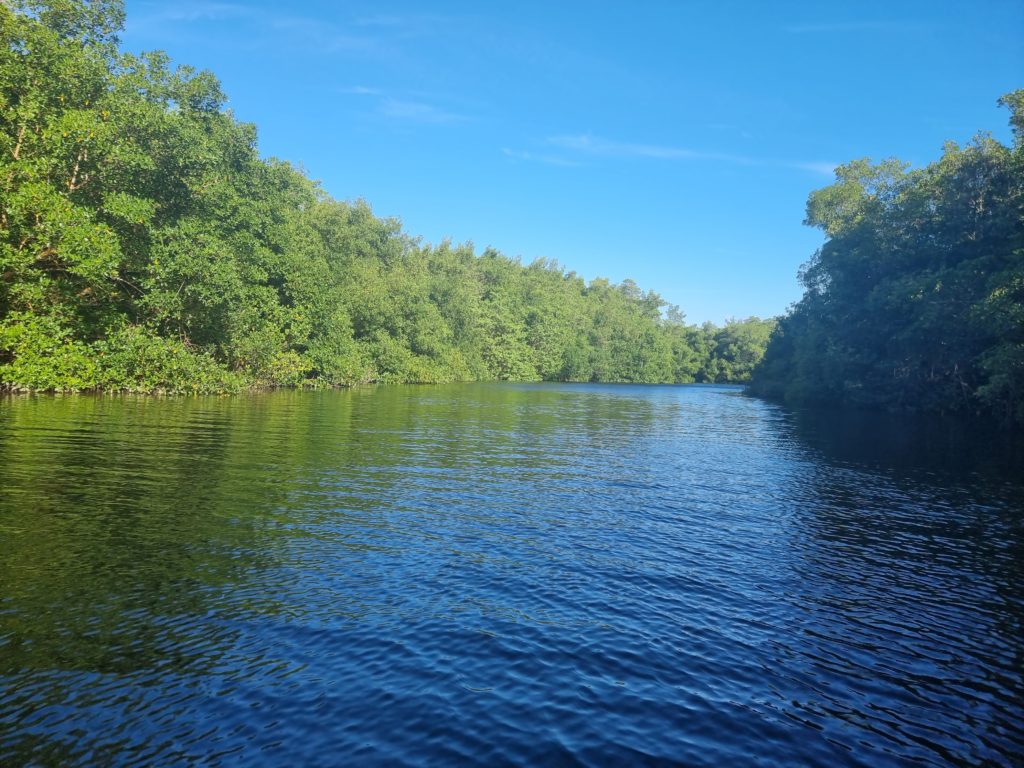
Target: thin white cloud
{"points": [[325, 36], [403, 109], [533, 157], [826, 169], [593, 145], [417, 111], [361, 90]]}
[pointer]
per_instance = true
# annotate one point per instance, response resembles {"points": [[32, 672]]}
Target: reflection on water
{"points": [[495, 573]]}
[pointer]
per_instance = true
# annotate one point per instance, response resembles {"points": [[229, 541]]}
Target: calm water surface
{"points": [[534, 574]]}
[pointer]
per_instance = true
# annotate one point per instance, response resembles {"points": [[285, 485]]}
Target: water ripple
{"points": [[499, 574]]}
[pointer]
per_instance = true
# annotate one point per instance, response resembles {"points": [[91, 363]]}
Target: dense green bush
{"points": [[916, 299], [145, 246]]}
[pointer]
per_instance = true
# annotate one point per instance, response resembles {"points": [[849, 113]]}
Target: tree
{"points": [[145, 245], [914, 299]]}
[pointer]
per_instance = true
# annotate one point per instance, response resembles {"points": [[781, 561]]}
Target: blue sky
{"points": [[674, 143]]}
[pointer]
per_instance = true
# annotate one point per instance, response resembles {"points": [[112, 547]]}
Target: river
{"points": [[491, 574]]}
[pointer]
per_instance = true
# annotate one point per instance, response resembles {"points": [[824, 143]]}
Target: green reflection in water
{"points": [[119, 514]]}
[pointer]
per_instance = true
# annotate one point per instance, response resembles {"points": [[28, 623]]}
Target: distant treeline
{"points": [[916, 299], [146, 246]]}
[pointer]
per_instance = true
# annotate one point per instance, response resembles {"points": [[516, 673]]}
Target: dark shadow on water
{"points": [[946, 446]]}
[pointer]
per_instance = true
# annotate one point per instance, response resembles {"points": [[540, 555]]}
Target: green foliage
{"points": [[146, 247], [915, 300], [41, 354], [131, 359], [733, 351]]}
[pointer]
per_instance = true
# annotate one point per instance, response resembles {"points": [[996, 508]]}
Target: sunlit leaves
{"points": [[146, 246]]}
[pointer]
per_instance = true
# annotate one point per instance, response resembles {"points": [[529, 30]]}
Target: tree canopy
{"points": [[916, 299], [146, 246]]}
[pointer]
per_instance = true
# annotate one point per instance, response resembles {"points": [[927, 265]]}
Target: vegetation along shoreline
{"points": [[145, 246]]}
